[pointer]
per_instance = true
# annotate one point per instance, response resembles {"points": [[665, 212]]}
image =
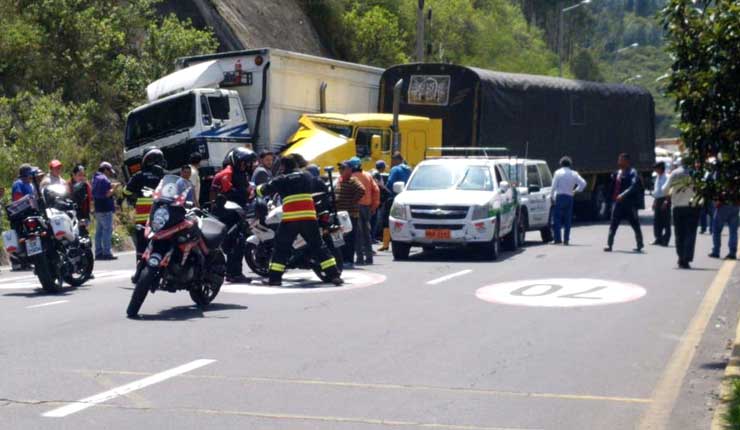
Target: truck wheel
{"points": [[400, 250]]}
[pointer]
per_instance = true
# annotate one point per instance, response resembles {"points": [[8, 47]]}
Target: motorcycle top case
{"points": [[61, 224], [344, 221], [10, 240]]}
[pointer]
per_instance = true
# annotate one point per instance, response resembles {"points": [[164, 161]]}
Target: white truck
{"points": [[253, 98]]}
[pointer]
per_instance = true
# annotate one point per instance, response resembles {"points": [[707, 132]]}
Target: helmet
{"points": [[242, 154], [355, 162], [25, 171], [153, 157]]}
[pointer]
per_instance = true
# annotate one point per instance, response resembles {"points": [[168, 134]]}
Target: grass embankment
{"points": [[732, 417]]}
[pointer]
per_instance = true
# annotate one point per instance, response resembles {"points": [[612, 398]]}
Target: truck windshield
{"points": [[342, 130], [160, 120], [444, 177]]}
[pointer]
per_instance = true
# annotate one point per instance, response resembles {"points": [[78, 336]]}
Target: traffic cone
{"points": [[386, 239]]}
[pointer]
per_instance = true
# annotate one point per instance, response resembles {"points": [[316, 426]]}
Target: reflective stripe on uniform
{"points": [[141, 218], [259, 191], [277, 267], [300, 216], [328, 263], [297, 197]]}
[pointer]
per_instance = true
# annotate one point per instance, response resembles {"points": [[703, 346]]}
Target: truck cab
{"points": [[329, 138]]}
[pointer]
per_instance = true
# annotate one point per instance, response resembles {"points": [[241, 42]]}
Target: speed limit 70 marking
{"points": [[560, 292]]}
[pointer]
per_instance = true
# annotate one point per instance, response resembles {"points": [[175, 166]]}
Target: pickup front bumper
{"points": [[424, 233]]}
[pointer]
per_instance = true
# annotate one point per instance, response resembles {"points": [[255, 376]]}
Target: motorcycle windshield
{"points": [[172, 190]]}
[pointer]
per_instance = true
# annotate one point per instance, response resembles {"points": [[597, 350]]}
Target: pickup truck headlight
{"points": [[482, 211], [399, 211]]}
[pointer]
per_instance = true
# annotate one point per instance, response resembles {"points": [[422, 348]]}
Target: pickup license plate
{"points": [[437, 234], [33, 246], [338, 238]]}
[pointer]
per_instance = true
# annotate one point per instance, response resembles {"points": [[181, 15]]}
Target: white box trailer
{"points": [[212, 103]]}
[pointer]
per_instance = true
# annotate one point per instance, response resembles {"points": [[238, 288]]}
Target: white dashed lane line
{"points": [[448, 277], [125, 389], [41, 305]]}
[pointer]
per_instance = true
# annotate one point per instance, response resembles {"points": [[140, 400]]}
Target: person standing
{"points": [[263, 173], [627, 195], [349, 191], [186, 173], [102, 190], [195, 159], [55, 175], [661, 207], [81, 192], [565, 183], [725, 213], [680, 188], [400, 172], [368, 205], [23, 186], [381, 178]]}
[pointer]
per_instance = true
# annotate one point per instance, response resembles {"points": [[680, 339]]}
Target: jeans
{"points": [[363, 239], [662, 222], [625, 211], [725, 214], [685, 221], [705, 217], [562, 216], [103, 233]]}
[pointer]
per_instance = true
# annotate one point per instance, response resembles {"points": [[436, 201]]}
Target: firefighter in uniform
{"points": [[299, 217], [152, 171], [232, 184]]}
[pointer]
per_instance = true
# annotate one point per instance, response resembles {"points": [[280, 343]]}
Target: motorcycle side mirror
{"points": [[329, 169], [231, 206]]}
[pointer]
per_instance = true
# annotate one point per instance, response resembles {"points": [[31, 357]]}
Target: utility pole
{"points": [[420, 32]]}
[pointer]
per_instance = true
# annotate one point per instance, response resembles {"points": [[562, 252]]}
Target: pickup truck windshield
{"points": [[460, 177], [160, 120]]}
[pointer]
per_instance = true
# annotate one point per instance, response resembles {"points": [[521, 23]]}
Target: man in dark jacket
{"points": [[628, 197]]}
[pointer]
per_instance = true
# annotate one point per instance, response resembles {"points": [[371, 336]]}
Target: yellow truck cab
{"points": [[329, 138]]}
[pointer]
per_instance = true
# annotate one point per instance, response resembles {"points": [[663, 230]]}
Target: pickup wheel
{"points": [[546, 232], [400, 251], [511, 240], [493, 249]]}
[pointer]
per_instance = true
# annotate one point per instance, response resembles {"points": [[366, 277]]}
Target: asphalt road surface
{"points": [[549, 337]]}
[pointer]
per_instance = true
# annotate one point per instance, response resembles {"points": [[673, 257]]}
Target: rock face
{"points": [[247, 24]]}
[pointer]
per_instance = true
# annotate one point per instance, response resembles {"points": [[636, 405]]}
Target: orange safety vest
{"points": [[298, 207], [143, 208]]}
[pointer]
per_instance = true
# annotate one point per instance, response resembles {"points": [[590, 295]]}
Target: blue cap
{"points": [[313, 170], [380, 164], [355, 162]]}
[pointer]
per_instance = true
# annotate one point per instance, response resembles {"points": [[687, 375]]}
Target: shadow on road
{"points": [[468, 255], [185, 313], [39, 292]]}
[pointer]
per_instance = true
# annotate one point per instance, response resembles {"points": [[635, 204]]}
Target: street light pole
{"points": [[561, 33]]}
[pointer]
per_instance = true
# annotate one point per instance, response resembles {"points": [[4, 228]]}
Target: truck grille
{"points": [[438, 212], [438, 226]]}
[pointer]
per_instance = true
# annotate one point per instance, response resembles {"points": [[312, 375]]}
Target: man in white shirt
{"points": [[661, 207], [565, 183], [680, 188]]}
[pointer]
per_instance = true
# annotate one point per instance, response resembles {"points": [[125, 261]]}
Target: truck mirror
{"points": [[375, 142], [504, 186], [398, 187]]}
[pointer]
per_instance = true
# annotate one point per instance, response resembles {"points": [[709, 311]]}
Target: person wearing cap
{"points": [[55, 175], [349, 191], [565, 183], [381, 178], [102, 190], [368, 205], [680, 188], [23, 185], [263, 173], [400, 172]]}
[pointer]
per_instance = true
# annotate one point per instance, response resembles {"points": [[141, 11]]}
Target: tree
{"points": [[375, 38], [704, 39], [585, 67]]}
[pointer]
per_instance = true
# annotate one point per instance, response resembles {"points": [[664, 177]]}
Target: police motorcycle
{"points": [[47, 232], [265, 219], [184, 248]]}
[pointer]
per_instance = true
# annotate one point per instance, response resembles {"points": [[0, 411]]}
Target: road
{"points": [[416, 344]]}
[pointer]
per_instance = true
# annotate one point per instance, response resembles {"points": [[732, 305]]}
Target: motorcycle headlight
{"points": [[482, 211], [399, 211], [159, 219]]}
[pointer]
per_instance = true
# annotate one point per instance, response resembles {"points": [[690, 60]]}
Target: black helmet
{"points": [[242, 154], [153, 157]]}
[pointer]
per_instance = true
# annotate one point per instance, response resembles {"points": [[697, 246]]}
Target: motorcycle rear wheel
{"points": [[257, 264], [48, 274], [147, 277], [207, 291], [337, 254]]}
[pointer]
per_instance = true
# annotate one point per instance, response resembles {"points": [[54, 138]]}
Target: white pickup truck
{"points": [[456, 202]]}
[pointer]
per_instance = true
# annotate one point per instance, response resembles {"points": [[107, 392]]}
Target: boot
{"points": [[386, 240]]}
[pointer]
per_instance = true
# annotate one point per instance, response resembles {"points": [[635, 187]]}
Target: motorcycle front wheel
{"points": [[337, 254], [146, 279], [84, 271], [258, 259], [48, 274]]}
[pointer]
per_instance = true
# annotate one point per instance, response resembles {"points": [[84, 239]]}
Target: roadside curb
{"points": [[732, 373]]}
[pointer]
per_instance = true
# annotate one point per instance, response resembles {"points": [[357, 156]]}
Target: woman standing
{"points": [[81, 192]]}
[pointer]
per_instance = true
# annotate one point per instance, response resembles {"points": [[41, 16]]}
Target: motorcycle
{"points": [[46, 231], [332, 223], [184, 248]]}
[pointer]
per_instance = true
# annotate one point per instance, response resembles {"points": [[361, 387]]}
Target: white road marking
{"points": [[41, 305], [560, 293], [302, 282], [125, 389], [448, 277], [32, 282]]}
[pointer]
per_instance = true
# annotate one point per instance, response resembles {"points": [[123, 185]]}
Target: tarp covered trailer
{"points": [[533, 116]]}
